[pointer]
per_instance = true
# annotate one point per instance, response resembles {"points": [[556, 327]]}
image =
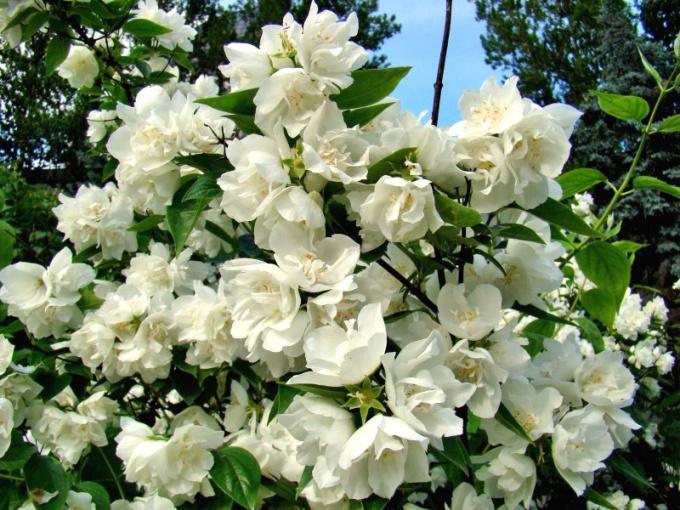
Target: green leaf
{"points": [[676, 46], [630, 108], [601, 305], [56, 52], [619, 463], [282, 488], [369, 87], [238, 474], [245, 123], [456, 214], [147, 223], [205, 187], [644, 182], [517, 231], [7, 241], [45, 473], [591, 333], [579, 180], [284, 397], [88, 300], [505, 418], [323, 391], [669, 125], [239, 102], [19, 18], [362, 116], [17, 454], [455, 453], [220, 233], [100, 497], [562, 216], [606, 266], [649, 68], [391, 163], [534, 311], [186, 385], [208, 163], [595, 497], [142, 28], [34, 24], [539, 327], [182, 218], [52, 384], [109, 169], [628, 246], [305, 480]]}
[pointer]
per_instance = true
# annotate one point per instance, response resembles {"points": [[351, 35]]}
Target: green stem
{"points": [[113, 473], [10, 477], [631, 171]]}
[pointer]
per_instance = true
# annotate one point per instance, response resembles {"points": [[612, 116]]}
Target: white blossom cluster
{"points": [[308, 307]]}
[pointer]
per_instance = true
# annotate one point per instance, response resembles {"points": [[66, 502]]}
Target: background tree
{"points": [[561, 50]]}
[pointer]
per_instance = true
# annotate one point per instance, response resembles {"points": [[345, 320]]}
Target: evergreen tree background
{"points": [[560, 50]]}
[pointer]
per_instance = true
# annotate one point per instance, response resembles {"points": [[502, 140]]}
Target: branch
{"points": [[411, 288], [439, 84]]}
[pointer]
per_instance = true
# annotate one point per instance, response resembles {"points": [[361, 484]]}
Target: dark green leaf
{"points": [[362, 116], [669, 401], [597, 498], [100, 497], [182, 218], [246, 123], [605, 266], [393, 162], [535, 345], [456, 214], [579, 180], [109, 169], [601, 305], [630, 108], [86, 254], [205, 187], [562, 216], [591, 333], [239, 102], [534, 311], [45, 473], [517, 231], [619, 463], [505, 418], [145, 28], [670, 125], [13, 327], [208, 163], [305, 480], [454, 452], [34, 24], [6, 244], [88, 300], [17, 454], [284, 397], [238, 474], [186, 385], [19, 17], [323, 391], [644, 182], [540, 327], [282, 488], [369, 87], [147, 223], [52, 384], [56, 52], [649, 68]]}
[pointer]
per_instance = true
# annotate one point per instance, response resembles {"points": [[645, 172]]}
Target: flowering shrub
{"points": [[296, 294]]}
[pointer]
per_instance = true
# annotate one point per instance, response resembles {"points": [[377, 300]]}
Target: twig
{"points": [[411, 288], [439, 84]]}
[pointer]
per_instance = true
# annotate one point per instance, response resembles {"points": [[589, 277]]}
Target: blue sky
{"points": [[418, 45]]}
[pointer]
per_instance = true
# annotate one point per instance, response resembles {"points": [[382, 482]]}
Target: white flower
{"points": [[324, 50], [422, 391], [380, 456], [490, 110], [400, 210], [465, 497], [631, 320], [289, 96], [6, 425], [343, 356], [509, 474], [6, 352], [477, 367], [79, 501], [580, 443], [604, 381], [179, 35], [248, 66], [98, 124], [154, 502], [471, 317], [80, 67], [176, 468]]}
